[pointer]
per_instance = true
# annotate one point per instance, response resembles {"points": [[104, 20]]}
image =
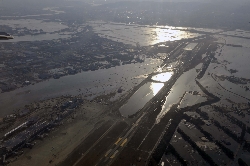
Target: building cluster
{"points": [[24, 63], [23, 136]]}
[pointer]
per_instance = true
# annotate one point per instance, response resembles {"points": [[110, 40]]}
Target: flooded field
{"points": [[237, 32], [184, 84], [146, 90], [190, 99], [235, 58], [227, 77], [90, 84], [40, 37], [35, 29], [233, 40], [34, 24], [144, 35], [182, 147]]}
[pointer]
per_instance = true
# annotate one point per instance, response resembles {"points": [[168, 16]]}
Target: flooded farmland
{"points": [[115, 86]]}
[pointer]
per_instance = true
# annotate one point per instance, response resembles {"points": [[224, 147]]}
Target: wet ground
{"points": [[157, 96]]}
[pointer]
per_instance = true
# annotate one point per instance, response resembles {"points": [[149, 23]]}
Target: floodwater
{"points": [[237, 32], [184, 84], [142, 35], [235, 58], [50, 30], [190, 99], [34, 24], [235, 40], [91, 83], [39, 37], [140, 98], [162, 77]]}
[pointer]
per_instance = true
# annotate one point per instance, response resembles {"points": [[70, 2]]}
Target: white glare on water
{"points": [[156, 87], [163, 77]]}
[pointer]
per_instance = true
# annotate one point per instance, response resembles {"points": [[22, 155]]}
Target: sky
{"points": [[100, 1]]}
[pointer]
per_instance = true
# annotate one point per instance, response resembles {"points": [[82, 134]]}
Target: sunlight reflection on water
{"points": [[156, 87], [144, 35], [162, 77], [140, 98], [163, 35]]}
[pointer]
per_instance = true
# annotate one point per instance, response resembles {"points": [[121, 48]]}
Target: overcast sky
{"points": [[204, 1], [236, 1]]}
